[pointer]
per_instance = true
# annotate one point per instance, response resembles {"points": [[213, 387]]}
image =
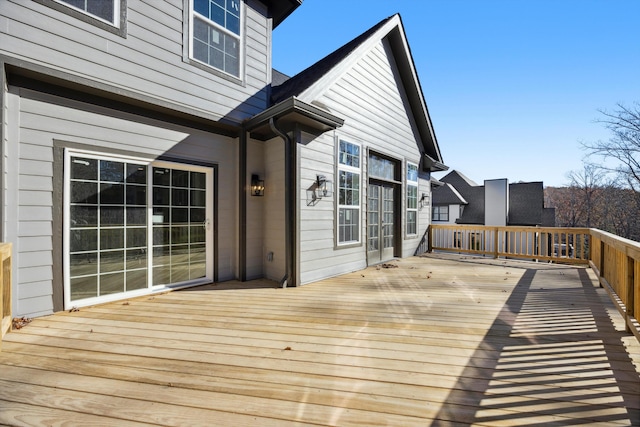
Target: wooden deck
{"points": [[438, 341]]}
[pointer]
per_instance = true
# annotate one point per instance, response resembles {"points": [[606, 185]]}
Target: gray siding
{"points": [[45, 118], [274, 218], [369, 97], [148, 63]]}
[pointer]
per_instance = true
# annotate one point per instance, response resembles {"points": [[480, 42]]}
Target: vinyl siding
{"points": [[147, 63], [274, 218], [369, 97], [44, 119]]}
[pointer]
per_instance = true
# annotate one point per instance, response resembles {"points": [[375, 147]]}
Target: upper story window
{"points": [[109, 15], [348, 193], [440, 213], [412, 199], [216, 34]]}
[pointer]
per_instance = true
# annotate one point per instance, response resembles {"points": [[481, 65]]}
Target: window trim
{"points": [[151, 163], [433, 213], [340, 167], [411, 184], [119, 27], [188, 57]]}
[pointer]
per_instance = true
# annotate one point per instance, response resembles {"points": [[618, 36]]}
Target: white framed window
{"points": [[349, 173], [216, 34], [412, 199], [133, 226], [440, 213]]}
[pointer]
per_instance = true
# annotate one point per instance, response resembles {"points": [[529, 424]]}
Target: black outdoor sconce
{"points": [[424, 200], [257, 185], [324, 188]]}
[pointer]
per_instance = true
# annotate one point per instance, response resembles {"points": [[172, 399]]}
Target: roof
{"points": [[526, 202], [447, 195], [303, 80], [311, 82], [279, 10]]}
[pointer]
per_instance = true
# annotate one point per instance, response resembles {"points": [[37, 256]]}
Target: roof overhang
{"points": [[279, 10], [432, 165], [291, 114]]}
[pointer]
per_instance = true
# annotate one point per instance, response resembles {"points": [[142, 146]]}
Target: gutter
{"points": [[289, 202]]}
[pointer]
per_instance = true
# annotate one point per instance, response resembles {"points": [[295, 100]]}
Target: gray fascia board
{"points": [[294, 105]]}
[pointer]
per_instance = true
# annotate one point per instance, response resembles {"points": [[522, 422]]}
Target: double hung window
{"points": [[412, 199], [348, 193], [216, 34], [109, 15]]}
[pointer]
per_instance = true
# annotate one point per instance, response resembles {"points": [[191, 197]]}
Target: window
{"points": [[110, 15], [132, 224], [440, 213], [348, 193], [412, 199], [216, 34]]}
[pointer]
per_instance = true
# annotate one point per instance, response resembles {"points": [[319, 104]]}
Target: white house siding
{"points": [[36, 120], [368, 97], [148, 63]]}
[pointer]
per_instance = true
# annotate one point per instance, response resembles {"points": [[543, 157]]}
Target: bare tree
{"points": [[586, 184], [623, 147]]}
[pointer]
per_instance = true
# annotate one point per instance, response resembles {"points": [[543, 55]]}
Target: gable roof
{"points": [[309, 83], [447, 195]]}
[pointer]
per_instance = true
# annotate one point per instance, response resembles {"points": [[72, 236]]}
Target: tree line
{"points": [[605, 194]]}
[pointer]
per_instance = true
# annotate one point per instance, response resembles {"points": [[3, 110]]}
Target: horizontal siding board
{"points": [[30, 182], [34, 244], [34, 289], [35, 213], [34, 228], [34, 259], [35, 307], [35, 274], [35, 198], [148, 61]]}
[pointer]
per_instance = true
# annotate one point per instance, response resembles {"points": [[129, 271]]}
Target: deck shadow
{"points": [[562, 361]]}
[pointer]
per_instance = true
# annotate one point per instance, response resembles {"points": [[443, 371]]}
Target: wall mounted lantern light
{"points": [[324, 188], [257, 185], [424, 200]]}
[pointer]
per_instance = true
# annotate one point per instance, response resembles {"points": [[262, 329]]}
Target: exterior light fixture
{"points": [[257, 185], [424, 200], [324, 188]]}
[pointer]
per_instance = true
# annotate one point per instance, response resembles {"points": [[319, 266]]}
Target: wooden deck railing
{"points": [[5, 290], [616, 260]]}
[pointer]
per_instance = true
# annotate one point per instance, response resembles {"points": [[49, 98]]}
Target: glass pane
{"points": [[112, 238], [412, 173], [83, 168], [180, 216], [161, 196], [197, 234], [136, 195], [84, 287], [201, 6], [136, 280], [198, 198], [83, 264], [179, 197], [111, 261], [233, 23], [136, 237], [136, 216], [81, 240], [161, 275], [111, 283], [161, 235], [197, 215], [179, 178], [111, 171], [161, 215], [112, 194], [198, 180], [84, 216], [179, 235], [101, 8], [136, 259], [161, 255], [136, 174], [111, 215], [161, 176], [84, 192]]}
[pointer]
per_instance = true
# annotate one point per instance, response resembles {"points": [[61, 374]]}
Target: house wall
{"points": [[38, 125], [147, 63], [256, 208], [370, 99], [274, 249]]}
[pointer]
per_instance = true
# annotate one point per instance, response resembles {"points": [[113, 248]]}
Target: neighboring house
{"points": [[459, 200], [149, 146]]}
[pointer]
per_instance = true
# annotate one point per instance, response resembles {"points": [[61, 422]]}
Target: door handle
{"points": [[205, 224]]}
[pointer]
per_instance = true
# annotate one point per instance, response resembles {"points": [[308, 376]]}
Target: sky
{"points": [[513, 87]]}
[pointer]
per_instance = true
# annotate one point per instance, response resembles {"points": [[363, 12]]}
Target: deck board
{"points": [[439, 340]]}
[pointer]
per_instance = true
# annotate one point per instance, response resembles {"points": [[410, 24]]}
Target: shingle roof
{"points": [[304, 79], [526, 201], [447, 195]]}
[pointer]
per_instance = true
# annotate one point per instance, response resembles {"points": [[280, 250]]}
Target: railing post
{"points": [[630, 303], [429, 239], [5, 289], [496, 239], [602, 260]]}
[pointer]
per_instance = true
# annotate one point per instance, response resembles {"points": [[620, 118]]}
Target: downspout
{"points": [[289, 202]]}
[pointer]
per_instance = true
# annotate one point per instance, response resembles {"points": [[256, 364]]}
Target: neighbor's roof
{"points": [[447, 195]]}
